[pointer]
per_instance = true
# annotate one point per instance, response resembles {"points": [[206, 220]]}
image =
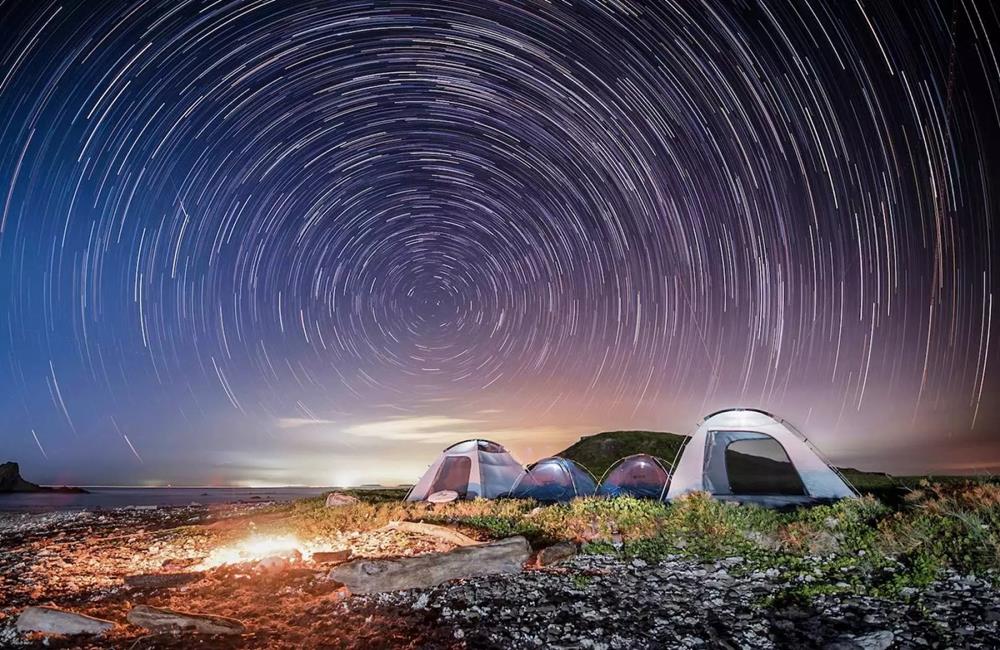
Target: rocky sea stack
{"points": [[11, 481]]}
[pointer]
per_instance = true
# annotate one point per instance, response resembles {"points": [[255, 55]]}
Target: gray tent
{"points": [[473, 469]]}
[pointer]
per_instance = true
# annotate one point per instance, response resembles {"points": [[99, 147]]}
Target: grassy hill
{"points": [[599, 451]]}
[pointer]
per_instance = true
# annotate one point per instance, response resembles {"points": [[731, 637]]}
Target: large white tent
{"points": [[750, 456], [472, 468]]}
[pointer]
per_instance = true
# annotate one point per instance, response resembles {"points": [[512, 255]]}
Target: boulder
{"points": [[556, 553], [49, 620], [430, 530], [374, 576], [166, 620], [339, 500]]}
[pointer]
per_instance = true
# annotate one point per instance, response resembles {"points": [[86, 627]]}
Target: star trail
{"points": [[292, 241]]}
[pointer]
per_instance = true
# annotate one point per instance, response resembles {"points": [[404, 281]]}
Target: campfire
{"points": [[258, 548]]}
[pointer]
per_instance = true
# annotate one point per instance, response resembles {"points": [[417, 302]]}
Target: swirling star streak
{"points": [[292, 241]]}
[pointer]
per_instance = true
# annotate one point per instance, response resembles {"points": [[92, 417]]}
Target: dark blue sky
{"points": [[314, 242]]}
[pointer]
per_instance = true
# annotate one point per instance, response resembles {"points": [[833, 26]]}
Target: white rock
{"points": [[339, 500], [49, 620], [443, 496], [165, 620], [879, 640]]}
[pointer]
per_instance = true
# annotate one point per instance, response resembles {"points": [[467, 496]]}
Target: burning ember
{"points": [[256, 549]]}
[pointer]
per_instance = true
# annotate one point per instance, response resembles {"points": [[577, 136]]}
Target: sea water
{"points": [[103, 498]]}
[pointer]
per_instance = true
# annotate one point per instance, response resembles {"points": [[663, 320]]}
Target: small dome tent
{"points": [[641, 476], [749, 456], [472, 468], [554, 480]]}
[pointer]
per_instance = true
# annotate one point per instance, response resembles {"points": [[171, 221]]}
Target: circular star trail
{"points": [[610, 211]]}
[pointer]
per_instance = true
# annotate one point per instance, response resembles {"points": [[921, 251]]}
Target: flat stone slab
{"points": [[49, 620], [374, 576], [167, 620]]}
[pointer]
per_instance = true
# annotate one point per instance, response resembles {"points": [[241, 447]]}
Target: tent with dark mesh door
{"points": [[751, 456]]}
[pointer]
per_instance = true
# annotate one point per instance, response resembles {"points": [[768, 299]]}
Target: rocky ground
{"points": [[605, 602], [88, 563], [83, 562]]}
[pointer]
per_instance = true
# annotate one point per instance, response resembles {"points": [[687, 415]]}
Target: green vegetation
{"points": [[600, 451], [856, 545], [903, 533]]}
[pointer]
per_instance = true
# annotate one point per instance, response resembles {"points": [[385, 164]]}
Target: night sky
{"points": [[272, 242]]}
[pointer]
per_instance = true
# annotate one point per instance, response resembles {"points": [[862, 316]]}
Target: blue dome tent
{"points": [[641, 476], [554, 480]]}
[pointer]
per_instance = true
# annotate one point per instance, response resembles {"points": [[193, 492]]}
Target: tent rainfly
{"points": [[749, 456], [472, 468], [554, 480], [641, 476]]}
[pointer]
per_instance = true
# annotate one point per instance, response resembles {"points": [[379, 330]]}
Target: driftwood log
{"points": [[373, 576], [430, 530]]}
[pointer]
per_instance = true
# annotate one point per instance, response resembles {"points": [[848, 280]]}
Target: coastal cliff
{"points": [[11, 481]]}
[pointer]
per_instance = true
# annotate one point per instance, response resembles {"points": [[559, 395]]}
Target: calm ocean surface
{"points": [[117, 497]]}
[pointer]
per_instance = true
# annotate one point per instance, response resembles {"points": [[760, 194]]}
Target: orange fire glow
{"points": [[256, 548]]}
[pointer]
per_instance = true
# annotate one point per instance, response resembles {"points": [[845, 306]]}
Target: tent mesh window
{"points": [[761, 466], [453, 475]]}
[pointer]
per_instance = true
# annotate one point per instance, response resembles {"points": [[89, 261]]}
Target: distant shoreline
{"points": [[116, 497]]}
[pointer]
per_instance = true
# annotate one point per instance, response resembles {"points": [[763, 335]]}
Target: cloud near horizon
{"points": [[435, 428]]}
